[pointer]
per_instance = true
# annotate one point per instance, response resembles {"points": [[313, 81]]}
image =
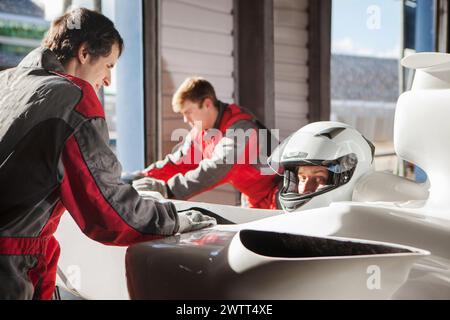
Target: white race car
{"points": [[391, 242]]}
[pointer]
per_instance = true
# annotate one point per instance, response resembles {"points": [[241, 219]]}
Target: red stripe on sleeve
{"points": [[91, 211]]}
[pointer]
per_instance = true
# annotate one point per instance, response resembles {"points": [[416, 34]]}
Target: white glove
{"points": [[194, 220], [156, 165], [129, 177], [151, 184]]}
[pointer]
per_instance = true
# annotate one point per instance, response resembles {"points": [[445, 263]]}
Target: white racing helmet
{"points": [[339, 148]]}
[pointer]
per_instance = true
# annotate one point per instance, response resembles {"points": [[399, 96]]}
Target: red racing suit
{"points": [[233, 152], [54, 156]]}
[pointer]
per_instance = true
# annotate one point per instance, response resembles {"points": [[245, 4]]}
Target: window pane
{"points": [[365, 81], [127, 112], [22, 26]]}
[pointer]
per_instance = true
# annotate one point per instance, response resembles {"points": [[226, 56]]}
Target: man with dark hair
{"points": [[226, 145], [54, 156], [66, 35]]}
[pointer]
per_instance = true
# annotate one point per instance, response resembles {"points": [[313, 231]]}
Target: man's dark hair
{"points": [[68, 32]]}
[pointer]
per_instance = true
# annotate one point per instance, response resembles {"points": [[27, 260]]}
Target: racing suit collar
{"points": [[222, 106], [42, 58]]}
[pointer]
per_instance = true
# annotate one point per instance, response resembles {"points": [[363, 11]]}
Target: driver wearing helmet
{"points": [[320, 164]]}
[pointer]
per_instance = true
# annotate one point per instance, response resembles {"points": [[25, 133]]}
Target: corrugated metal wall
{"points": [[291, 65], [197, 39]]}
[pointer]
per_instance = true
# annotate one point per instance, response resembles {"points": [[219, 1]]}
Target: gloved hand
{"points": [[151, 184], [129, 177], [192, 220], [156, 165]]}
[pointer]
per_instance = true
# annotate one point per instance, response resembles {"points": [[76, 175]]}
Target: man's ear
{"points": [[208, 103], [82, 53]]}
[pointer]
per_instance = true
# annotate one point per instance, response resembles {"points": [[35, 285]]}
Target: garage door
{"points": [[197, 39], [291, 65]]}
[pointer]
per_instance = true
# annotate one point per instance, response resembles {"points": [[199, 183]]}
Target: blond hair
{"points": [[195, 89]]}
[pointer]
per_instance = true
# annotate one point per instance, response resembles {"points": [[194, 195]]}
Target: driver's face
{"points": [[311, 178]]}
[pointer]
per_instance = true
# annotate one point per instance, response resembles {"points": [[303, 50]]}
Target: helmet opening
{"points": [[329, 175]]}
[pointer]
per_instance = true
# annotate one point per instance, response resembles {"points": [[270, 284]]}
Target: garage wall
{"points": [[196, 39], [291, 65]]}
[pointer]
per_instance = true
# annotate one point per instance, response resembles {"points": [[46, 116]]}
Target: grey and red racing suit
{"points": [[54, 156], [234, 151]]}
